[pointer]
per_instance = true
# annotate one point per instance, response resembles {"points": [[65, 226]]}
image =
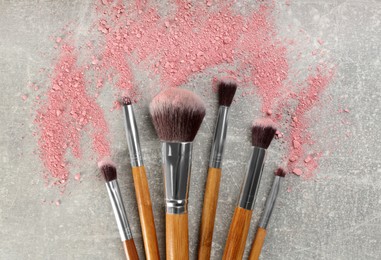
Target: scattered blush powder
{"points": [[188, 41], [68, 111]]}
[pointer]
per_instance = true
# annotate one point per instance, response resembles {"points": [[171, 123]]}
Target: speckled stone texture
{"points": [[336, 216]]}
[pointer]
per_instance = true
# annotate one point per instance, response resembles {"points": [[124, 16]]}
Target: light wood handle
{"points": [[257, 244], [239, 228], [209, 213], [130, 250], [176, 229], [147, 221]]}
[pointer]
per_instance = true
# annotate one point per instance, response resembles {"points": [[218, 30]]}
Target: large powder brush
{"points": [[177, 115]]}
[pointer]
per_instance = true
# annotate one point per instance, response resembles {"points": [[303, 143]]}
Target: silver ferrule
{"points": [[219, 138], [119, 211], [177, 160], [252, 179], [132, 135], [270, 202]]}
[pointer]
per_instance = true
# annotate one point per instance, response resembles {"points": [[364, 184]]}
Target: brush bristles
{"points": [[108, 169], [126, 101], [280, 172], [177, 114], [262, 133], [226, 91]]}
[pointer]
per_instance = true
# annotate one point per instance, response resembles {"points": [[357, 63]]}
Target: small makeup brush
{"points": [[140, 182], [226, 91], [177, 115], [108, 170], [270, 202], [262, 134]]}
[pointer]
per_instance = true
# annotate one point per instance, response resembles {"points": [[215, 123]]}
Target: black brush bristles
{"points": [[262, 133], [280, 172], [177, 114], [108, 169], [226, 91], [126, 101]]}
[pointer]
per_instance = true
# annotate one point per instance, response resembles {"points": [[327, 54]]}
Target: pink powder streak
{"points": [[299, 135], [193, 40], [185, 43], [67, 113]]}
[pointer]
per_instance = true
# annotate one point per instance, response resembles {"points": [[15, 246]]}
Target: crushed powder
{"points": [[67, 112], [184, 43]]}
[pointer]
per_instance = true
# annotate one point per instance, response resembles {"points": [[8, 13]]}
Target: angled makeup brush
{"points": [[226, 91], [262, 134], [270, 202], [108, 170], [140, 182], [177, 115]]}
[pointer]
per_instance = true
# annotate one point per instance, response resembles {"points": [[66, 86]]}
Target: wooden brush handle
{"points": [[145, 213], [209, 213], [257, 244], [239, 228], [130, 250], [176, 229]]}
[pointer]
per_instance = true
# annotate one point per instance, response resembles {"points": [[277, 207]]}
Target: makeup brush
{"points": [[140, 182], [226, 91], [262, 134], [270, 202], [108, 170], [177, 115]]}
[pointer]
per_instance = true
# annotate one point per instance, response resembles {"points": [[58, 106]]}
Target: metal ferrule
{"points": [[177, 160], [219, 138], [132, 135], [270, 202], [119, 211], [253, 176]]}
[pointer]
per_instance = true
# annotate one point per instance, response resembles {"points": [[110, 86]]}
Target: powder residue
{"points": [[67, 112], [299, 134], [187, 41]]}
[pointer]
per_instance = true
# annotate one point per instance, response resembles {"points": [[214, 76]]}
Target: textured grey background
{"points": [[335, 216]]}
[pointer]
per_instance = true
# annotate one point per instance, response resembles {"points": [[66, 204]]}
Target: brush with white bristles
{"points": [[177, 115], [270, 202], [108, 170], [226, 91], [262, 133]]}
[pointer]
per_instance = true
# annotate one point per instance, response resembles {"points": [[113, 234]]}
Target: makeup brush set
{"points": [[177, 115]]}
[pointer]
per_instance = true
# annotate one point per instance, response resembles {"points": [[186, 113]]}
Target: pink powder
{"points": [[299, 135], [297, 171], [68, 112], [174, 48], [77, 177]]}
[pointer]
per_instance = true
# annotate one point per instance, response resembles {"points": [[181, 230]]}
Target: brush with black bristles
{"points": [[108, 170], [143, 198], [177, 115], [270, 202], [262, 133], [226, 91]]}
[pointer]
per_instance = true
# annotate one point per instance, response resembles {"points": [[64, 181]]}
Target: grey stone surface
{"points": [[335, 216]]}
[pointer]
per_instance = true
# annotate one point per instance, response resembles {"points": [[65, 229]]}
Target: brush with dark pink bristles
{"points": [[177, 115], [226, 91], [262, 133], [109, 173], [270, 202]]}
